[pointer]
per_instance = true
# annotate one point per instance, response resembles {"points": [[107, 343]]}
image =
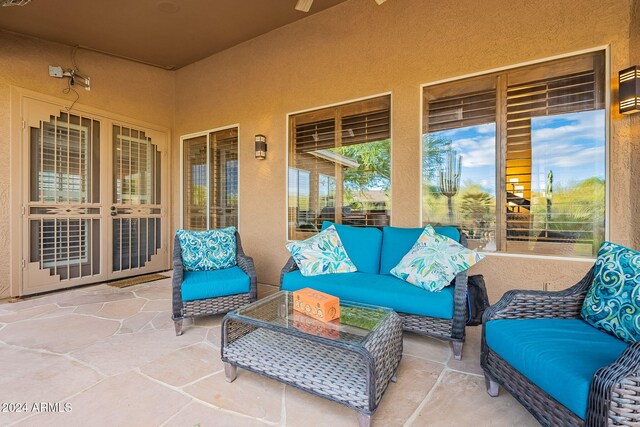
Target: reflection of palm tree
{"points": [[450, 178]]}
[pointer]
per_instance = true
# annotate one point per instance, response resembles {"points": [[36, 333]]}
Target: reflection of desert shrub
{"points": [[577, 208]]}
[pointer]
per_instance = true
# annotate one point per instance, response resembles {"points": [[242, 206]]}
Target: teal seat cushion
{"points": [[363, 245], [558, 355], [214, 283], [375, 289], [398, 241]]}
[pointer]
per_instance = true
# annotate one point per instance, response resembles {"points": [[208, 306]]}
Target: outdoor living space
{"points": [[112, 355], [320, 212]]}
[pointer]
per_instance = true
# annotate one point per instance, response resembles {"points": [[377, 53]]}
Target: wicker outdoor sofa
{"points": [[613, 394], [448, 324], [215, 304]]}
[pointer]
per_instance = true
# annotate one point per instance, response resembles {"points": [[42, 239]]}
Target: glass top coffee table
{"points": [[350, 360]]}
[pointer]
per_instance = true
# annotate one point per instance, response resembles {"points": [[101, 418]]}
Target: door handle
{"points": [[114, 213]]}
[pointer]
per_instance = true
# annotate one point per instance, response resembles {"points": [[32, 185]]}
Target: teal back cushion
{"points": [[613, 300], [398, 241], [362, 244], [208, 249]]}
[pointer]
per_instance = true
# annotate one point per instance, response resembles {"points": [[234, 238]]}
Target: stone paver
{"points": [[59, 335], [129, 399], [250, 394], [29, 377], [196, 414], [113, 355], [464, 400], [184, 366]]}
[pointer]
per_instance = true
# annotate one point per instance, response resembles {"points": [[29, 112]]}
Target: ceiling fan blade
{"points": [[304, 5], [380, 2]]}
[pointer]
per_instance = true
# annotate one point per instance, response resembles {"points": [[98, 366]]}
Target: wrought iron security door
{"points": [[91, 209], [136, 208]]}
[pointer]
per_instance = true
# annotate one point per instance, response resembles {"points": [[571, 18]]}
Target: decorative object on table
{"points": [[310, 325], [316, 304], [217, 290], [563, 370], [208, 249], [321, 254], [434, 260], [613, 301], [353, 369], [375, 252]]}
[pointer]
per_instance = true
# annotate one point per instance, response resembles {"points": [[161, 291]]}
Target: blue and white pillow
{"points": [[208, 249], [321, 254], [434, 260], [612, 303]]}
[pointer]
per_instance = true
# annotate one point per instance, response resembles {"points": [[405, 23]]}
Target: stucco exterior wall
{"points": [[358, 49], [634, 53], [123, 87]]}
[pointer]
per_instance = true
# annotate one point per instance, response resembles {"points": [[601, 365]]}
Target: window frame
{"points": [[321, 107], [206, 134], [499, 143]]}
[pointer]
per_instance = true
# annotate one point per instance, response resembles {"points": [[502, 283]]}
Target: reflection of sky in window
{"points": [[477, 145], [571, 145]]}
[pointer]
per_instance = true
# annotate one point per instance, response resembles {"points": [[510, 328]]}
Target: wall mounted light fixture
{"points": [[629, 90], [261, 147]]}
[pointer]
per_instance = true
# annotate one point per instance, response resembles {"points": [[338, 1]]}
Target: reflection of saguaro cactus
{"points": [[450, 178], [548, 192]]}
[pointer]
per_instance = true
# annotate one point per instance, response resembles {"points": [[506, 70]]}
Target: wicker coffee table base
{"points": [[353, 376]]}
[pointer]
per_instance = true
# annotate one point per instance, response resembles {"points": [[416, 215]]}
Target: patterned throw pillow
{"points": [[208, 249], [613, 300], [321, 254], [434, 260]]}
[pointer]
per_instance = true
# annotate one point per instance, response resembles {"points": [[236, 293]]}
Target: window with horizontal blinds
{"points": [[339, 166], [458, 150], [529, 146], [210, 180]]}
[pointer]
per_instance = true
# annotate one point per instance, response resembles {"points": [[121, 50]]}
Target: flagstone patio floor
{"points": [[109, 356]]}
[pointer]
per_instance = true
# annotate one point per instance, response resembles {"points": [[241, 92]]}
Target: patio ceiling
{"points": [[165, 33]]}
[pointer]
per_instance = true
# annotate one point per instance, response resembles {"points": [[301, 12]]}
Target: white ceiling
{"points": [[165, 33]]}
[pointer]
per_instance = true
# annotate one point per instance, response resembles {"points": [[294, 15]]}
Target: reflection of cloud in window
{"points": [[586, 128], [572, 145], [478, 151]]}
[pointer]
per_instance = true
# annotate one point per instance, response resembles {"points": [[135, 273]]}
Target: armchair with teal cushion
{"points": [[208, 292], [536, 345]]}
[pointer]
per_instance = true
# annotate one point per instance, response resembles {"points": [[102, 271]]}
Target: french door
{"points": [[92, 199]]}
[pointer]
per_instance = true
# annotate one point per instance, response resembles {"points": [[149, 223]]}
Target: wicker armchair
{"points": [[614, 393], [447, 329], [209, 306]]}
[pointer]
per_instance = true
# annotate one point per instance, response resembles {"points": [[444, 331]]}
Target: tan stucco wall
{"points": [[122, 87], [358, 49], [634, 53]]}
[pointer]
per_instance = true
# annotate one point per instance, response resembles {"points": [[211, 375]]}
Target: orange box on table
{"points": [[316, 304]]}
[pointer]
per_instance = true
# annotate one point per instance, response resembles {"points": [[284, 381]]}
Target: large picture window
{"points": [[340, 166], [210, 180], [517, 158]]}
